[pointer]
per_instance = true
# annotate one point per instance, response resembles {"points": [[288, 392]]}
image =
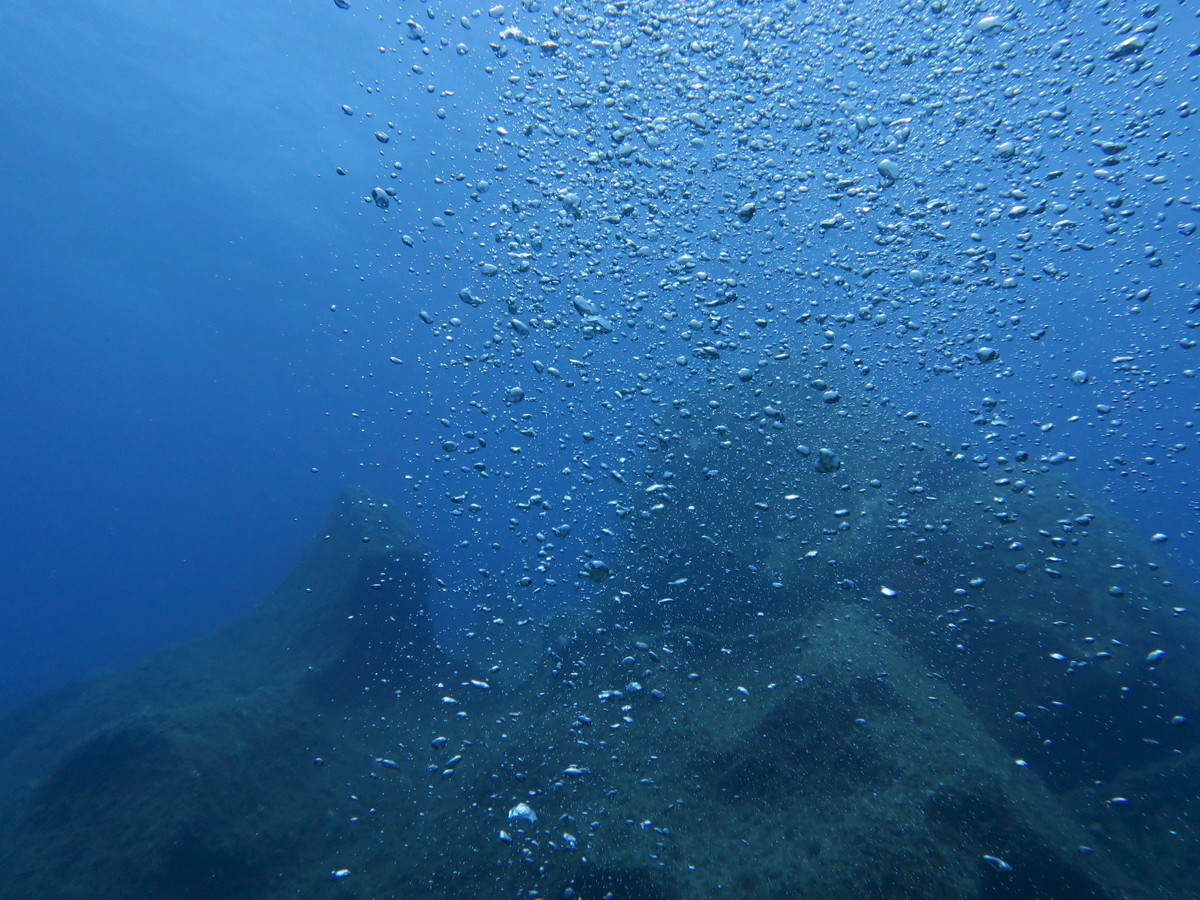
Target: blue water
{"points": [[173, 231], [196, 314], [482, 262]]}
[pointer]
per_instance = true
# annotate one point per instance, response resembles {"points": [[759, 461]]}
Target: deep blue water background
{"points": [[171, 370], [168, 241]]}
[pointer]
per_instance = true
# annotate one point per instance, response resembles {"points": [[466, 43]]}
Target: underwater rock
{"points": [[192, 774], [775, 731]]}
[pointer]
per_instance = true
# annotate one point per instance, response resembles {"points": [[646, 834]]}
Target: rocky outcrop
{"points": [[193, 773], [809, 740]]}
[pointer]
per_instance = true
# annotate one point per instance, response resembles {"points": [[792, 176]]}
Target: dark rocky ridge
{"points": [[192, 773], [865, 757]]}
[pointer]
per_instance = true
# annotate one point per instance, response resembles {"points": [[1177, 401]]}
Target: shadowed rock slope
{"points": [[821, 743], [192, 774]]}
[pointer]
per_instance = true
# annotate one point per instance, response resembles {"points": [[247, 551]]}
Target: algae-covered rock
{"points": [[192, 774], [801, 740]]}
